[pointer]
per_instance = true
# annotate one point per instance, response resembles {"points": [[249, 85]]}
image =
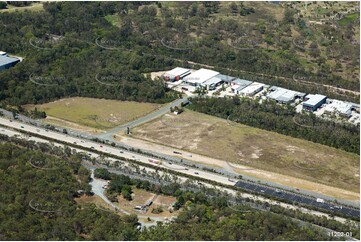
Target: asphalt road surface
{"points": [[297, 198], [183, 162], [262, 190]]}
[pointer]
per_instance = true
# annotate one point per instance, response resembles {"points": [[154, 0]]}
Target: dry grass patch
{"points": [[261, 149], [96, 113]]}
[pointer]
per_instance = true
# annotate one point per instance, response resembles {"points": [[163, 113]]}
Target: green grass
{"points": [[265, 150], [113, 19], [32, 7], [348, 19], [96, 113]]}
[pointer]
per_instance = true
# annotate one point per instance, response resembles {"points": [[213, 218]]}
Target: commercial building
{"points": [[282, 95], [212, 83], [313, 101], [199, 77], [251, 89], [238, 84], [340, 107], [176, 74], [225, 78], [7, 62]]}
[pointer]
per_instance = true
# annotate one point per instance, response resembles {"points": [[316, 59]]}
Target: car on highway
{"points": [[92, 147], [186, 169], [121, 152], [101, 146], [10, 120], [169, 163], [262, 191], [196, 173], [278, 191], [22, 127]]}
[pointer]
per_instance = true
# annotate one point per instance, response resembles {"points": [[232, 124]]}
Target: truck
{"points": [[158, 162], [320, 200]]}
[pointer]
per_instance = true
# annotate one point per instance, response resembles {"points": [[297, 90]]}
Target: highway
{"points": [[259, 189], [297, 198], [183, 161]]}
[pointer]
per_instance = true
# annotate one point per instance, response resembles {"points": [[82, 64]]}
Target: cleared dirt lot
{"points": [[95, 113], [140, 197], [264, 150]]}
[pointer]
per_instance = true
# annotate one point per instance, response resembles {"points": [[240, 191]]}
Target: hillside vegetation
{"points": [[103, 49]]}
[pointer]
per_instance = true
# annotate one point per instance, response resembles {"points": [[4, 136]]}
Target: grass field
{"points": [[32, 7], [95, 113], [264, 150]]}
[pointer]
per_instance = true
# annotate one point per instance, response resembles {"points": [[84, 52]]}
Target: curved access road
{"points": [[109, 134]]}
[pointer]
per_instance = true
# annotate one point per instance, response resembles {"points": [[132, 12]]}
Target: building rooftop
{"points": [[178, 71], [252, 88], [200, 76], [339, 106], [283, 95], [213, 80], [4, 60], [225, 78], [313, 99]]}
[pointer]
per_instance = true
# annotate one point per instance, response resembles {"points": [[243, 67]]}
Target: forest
{"points": [[38, 204], [105, 49], [281, 119]]}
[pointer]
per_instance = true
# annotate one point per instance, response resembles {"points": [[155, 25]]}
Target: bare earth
{"points": [[284, 158]]}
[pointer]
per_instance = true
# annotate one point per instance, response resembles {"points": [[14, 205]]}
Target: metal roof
{"points": [[283, 95], [225, 77], [252, 88], [178, 71], [313, 99], [339, 106], [201, 76], [213, 80], [4, 60]]}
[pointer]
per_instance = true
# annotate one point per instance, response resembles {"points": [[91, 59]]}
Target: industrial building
{"points": [[251, 89], [225, 78], [282, 95], [212, 83], [313, 101], [340, 107], [199, 77], [6, 61], [238, 84], [176, 74]]}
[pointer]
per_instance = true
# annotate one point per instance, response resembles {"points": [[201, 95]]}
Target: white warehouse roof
{"points": [[200, 76], [178, 71], [313, 99], [250, 89], [339, 106]]}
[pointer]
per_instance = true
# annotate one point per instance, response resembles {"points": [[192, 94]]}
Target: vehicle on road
{"points": [[186, 169], [320, 200], [278, 191], [169, 163], [158, 162], [229, 179], [262, 191], [10, 120], [22, 127], [101, 146], [92, 147], [177, 152], [196, 173], [121, 151]]}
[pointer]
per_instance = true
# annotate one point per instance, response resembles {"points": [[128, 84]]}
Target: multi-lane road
{"points": [[253, 187]]}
